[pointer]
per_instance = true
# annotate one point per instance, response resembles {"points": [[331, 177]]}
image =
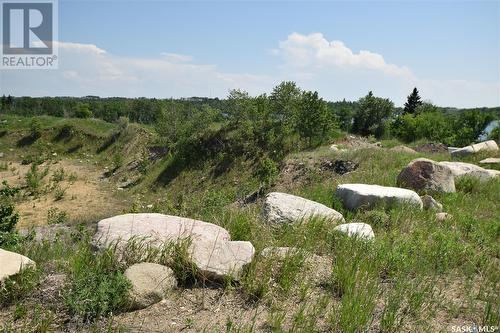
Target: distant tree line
{"points": [[285, 119]]}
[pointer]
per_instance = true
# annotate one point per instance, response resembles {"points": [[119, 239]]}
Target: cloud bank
{"points": [[330, 67]]}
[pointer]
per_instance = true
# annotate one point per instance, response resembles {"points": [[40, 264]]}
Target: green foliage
{"points": [[313, 121], [96, 286], [19, 286], [56, 216], [267, 171], [34, 178], [371, 115], [429, 123], [82, 110], [8, 216], [35, 129]]}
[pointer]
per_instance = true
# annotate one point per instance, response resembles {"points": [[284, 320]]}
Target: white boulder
{"points": [[210, 247], [467, 169], [12, 263], [355, 196], [489, 145], [356, 230], [282, 208]]}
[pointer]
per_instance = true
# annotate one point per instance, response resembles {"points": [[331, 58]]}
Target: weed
{"points": [[56, 216]]}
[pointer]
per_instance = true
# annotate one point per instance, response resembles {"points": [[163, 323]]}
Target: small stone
{"points": [[356, 230], [431, 203], [443, 216]]}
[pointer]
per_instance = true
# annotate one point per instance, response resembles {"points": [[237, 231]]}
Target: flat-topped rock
{"points": [[216, 260], [460, 169], [282, 208], [356, 230], [12, 263], [425, 175], [210, 247], [155, 228], [355, 196], [489, 145], [490, 160]]}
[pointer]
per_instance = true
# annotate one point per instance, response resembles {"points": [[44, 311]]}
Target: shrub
{"points": [[96, 286], [56, 216], [8, 216]]}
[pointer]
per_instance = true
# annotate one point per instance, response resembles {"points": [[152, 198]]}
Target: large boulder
{"points": [[282, 208], [424, 175], [356, 230], [460, 169], [150, 283], [12, 263], [356, 196], [210, 247], [489, 145]]}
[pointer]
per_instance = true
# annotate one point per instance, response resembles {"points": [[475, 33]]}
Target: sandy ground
{"points": [[86, 194]]}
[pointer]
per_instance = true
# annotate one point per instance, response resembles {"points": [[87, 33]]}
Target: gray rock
{"points": [[491, 160], [356, 230], [460, 169], [355, 196], [150, 283], [430, 203], [210, 247], [12, 263], [425, 175], [280, 208], [489, 145]]}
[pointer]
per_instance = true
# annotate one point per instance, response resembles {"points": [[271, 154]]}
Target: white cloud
{"points": [[315, 50], [85, 69], [337, 72]]}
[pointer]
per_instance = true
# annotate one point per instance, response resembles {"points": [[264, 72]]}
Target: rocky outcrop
{"points": [[356, 196], [280, 208], [356, 230], [424, 175], [489, 145], [460, 169], [12, 263], [150, 283], [210, 247]]}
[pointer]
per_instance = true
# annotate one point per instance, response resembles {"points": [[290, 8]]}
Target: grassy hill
{"points": [[419, 274]]}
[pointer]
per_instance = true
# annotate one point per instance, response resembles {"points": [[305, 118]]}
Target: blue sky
{"points": [[449, 49]]}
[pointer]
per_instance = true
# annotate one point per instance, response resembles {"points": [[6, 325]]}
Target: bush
{"points": [[8, 216], [56, 216], [96, 286]]}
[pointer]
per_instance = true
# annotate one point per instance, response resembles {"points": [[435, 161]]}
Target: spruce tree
{"points": [[413, 102]]}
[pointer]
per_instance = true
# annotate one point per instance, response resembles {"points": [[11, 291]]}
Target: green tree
{"points": [[413, 102], [313, 122], [371, 115], [83, 111]]}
